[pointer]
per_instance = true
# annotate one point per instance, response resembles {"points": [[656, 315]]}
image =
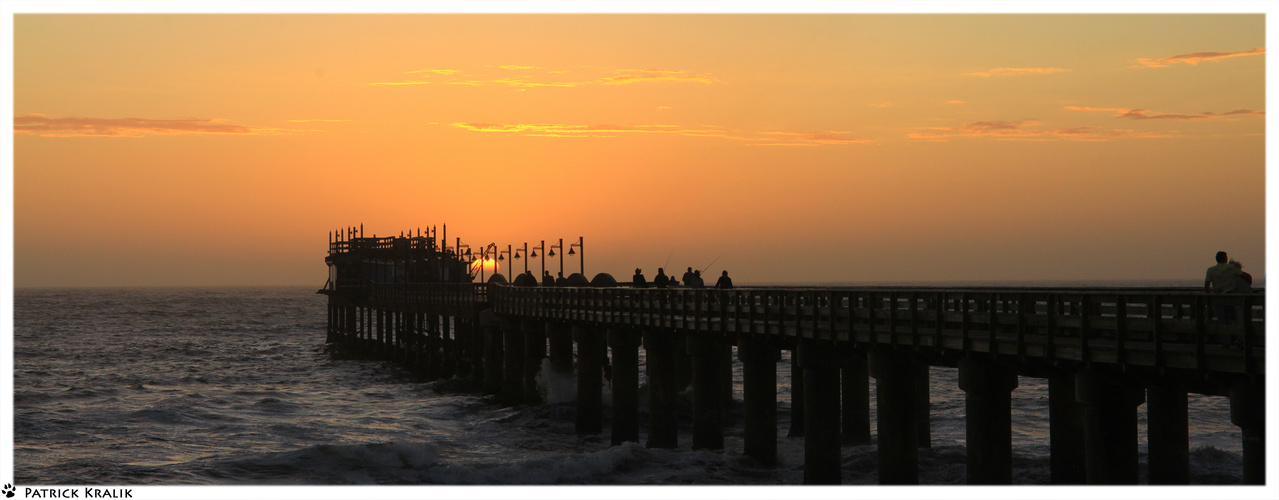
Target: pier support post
{"points": [[512, 363], [1248, 411], [988, 414], [855, 397], [896, 381], [590, 373], [923, 418], [660, 348], [534, 351], [796, 396], [759, 397], [1168, 433], [560, 347], [625, 345], [708, 399], [683, 366], [492, 337], [821, 413], [1066, 431], [1110, 425]]}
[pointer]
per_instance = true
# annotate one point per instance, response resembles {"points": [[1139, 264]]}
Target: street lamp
{"points": [[517, 255], [509, 277], [484, 257], [542, 247], [552, 254], [581, 256]]}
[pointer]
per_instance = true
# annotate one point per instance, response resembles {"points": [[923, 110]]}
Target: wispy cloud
{"points": [[414, 82], [1145, 114], [567, 130], [1026, 130], [554, 78], [318, 120], [828, 137], [1194, 58], [775, 138], [629, 76], [44, 126], [435, 71], [1016, 71]]}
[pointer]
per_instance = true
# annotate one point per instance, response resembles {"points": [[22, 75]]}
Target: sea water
{"points": [[179, 386]]}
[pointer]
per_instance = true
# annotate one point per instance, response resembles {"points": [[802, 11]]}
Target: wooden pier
{"points": [[1104, 352]]}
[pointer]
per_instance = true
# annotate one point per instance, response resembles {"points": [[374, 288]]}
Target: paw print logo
{"points": [[8, 490]]}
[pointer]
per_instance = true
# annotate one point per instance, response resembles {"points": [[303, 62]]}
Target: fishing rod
{"points": [[668, 258], [708, 266]]}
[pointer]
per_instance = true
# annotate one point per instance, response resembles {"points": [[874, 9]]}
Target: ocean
{"points": [[234, 386]]}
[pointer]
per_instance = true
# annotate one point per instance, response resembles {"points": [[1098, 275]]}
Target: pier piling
{"points": [[759, 397]]}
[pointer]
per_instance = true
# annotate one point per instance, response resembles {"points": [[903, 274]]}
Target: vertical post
{"points": [[988, 413], [1066, 431], [625, 348], [895, 386], [590, 373], [796, 396], [708, 409], [512, 363], [855, 397], [821, 412], [1110, 425], [493, 368], [534, 351], [759, 397], [660, 350], [923, 418], [1248, 411], [1168, 435]]}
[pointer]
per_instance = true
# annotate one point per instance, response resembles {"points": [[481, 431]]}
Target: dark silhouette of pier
{"points": [[1104, 352]]}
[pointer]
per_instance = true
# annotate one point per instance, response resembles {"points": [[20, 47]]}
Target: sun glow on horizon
{"points": [[960, 146]]}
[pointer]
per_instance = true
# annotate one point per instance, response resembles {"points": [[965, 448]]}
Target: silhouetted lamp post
{"points": [[509, 276], [581, 256], [517, 255], [484, 258], [552, 254], [541, 246]]}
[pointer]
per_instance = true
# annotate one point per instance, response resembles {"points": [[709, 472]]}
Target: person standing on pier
{"points": [[696, 280], [1221, 279], [688, 277], [724, 283], [638, 281], [547, 280], [561, 280], [661, 280]]}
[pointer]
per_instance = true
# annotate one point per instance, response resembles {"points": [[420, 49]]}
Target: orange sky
{"points": [[222, 149]]}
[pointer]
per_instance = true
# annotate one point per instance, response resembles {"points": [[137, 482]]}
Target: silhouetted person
{"points": [[688, 276], [1243, 282], [661, 280], [724, 282], [638, 281], [561, 280], [547, 280], [696, 280], [674, 283], [1221, 279]]}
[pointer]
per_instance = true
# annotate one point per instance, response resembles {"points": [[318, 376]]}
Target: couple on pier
{"points": [[1227, 276]]}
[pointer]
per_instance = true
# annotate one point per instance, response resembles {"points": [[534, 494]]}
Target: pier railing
{"points": [[1171, 328]]}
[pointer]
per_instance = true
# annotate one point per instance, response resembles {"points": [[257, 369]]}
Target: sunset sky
{"points": [[222, 149]]}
